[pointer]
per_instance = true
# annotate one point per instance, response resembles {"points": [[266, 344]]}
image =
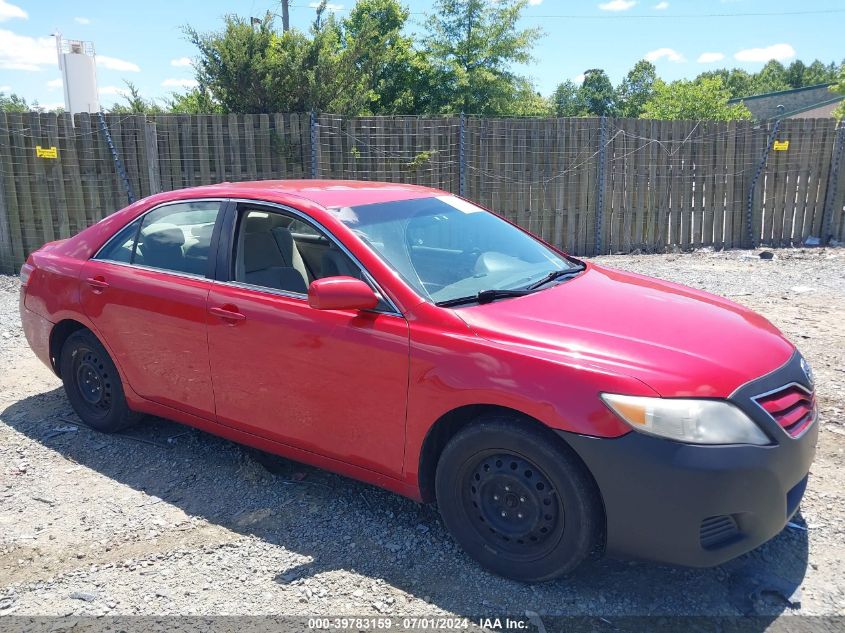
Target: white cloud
{"points": [[579, 80], [775, 51], [180, 61], [617, 5], [668, 53], [53, 84], [535, 3], [709, 58], [332, 7], [11, 11], [661, 6], [179, 83], [82, 20], [5, 89], [113, 63], [21, 52]]}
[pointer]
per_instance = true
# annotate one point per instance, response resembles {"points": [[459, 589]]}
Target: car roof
{"points": [[327, 193]]}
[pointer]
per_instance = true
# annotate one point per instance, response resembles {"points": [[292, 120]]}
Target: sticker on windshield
{"points": [[461, 205]]}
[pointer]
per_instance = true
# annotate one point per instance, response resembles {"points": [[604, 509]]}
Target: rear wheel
{"points": [[92, 384], [516, 500]]}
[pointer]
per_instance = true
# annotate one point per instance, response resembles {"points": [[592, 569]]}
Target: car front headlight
{"points": [[687, 420]]}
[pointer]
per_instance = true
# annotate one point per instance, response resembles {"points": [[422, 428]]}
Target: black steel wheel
{"points": [[93, 381], [516, 503], [92, 384], [517, 499]]}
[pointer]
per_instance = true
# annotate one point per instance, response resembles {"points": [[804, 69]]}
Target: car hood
{"points": [[677, 340]]}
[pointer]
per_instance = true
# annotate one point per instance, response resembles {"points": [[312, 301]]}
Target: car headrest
{"points": [[257, 224], [162, 238]]}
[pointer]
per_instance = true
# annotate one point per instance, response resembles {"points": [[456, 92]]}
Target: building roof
{"points": [[793, 102]]}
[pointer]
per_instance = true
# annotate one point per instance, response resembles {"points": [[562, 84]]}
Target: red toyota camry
{"points": [[408, 338]]}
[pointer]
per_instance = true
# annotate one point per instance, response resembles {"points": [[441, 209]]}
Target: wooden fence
{"points": [[585, 184]]}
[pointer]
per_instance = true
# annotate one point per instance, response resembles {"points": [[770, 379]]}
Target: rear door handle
{"points": [[98, 284], [227, 314]]}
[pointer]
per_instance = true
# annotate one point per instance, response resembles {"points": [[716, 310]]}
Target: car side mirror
{"points": [[341, 293]]}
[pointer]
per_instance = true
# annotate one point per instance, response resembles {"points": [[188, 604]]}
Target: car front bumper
{"points": [[699, 505]]}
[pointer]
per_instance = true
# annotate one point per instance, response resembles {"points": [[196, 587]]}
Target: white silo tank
{"points": [[79, 75]]}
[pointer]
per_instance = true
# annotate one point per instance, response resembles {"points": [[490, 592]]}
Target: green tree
{"points": [[363, 64], [195, 101], [819, 73], [13, 103], [839, 87], [375, 48], [135, 102], [597, 94], [703, 98], [473, 45], [794, 74], [241, 63], [772, 78], [636, 89], [567, 100]]}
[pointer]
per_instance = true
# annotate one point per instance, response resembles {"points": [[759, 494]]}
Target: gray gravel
{"points": [[169, 520]]}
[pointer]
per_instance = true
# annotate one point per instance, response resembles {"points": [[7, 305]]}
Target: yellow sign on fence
{"points": [[49, 152], [780, 146]]}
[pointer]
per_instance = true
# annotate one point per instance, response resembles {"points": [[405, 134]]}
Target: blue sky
{"points": [[142, 41]]}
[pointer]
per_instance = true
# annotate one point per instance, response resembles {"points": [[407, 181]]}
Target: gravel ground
{"points": [[168, 520]]}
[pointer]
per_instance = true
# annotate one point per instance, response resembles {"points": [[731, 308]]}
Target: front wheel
{"points": [[93, 385], [516, 500]]}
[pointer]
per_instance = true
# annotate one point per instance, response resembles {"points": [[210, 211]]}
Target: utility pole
{"points": [[285, 16]]}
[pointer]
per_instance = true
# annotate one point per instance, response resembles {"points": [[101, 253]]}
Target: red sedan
{"points": [[410, 339]]}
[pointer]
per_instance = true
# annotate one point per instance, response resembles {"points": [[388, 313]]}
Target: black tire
{"points": [[92, 384], [517, 500]]}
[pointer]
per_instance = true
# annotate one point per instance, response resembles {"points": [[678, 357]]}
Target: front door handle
{"points": [[227, 313], [98, 283]]}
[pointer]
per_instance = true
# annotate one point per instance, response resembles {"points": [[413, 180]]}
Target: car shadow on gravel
{"points": [[340, 524]]}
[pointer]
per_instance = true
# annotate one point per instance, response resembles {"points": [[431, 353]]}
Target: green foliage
{"points": [[363, 64], [472, 46], [597, 97], [135, 103], [13, 103], [195, 101], [703, 98], [839, 87], [636, 89], [597, 93], [774, 77], [567, 100]]}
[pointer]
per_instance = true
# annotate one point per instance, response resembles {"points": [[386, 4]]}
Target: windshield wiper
{"points": [[485, 296], [556, 274]]}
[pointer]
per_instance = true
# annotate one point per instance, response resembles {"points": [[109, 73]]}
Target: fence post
{"points": [[151, 145], [315, 146], [832, 182], [600, 177], [5, 233], [462, 161], [116, 157], [749, 210]]}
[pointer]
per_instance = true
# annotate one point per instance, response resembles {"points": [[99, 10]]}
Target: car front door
{"points": [[146, 293], [331, 382]]}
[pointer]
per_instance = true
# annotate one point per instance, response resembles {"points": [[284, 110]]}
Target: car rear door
{"points": [[332, 382], [146, 293]]}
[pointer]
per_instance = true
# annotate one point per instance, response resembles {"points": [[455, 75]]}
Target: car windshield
{"points": [[447, 248]]}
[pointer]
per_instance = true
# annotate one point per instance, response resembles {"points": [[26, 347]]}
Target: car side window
{"points": [[122, 245], [281, 252]]}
